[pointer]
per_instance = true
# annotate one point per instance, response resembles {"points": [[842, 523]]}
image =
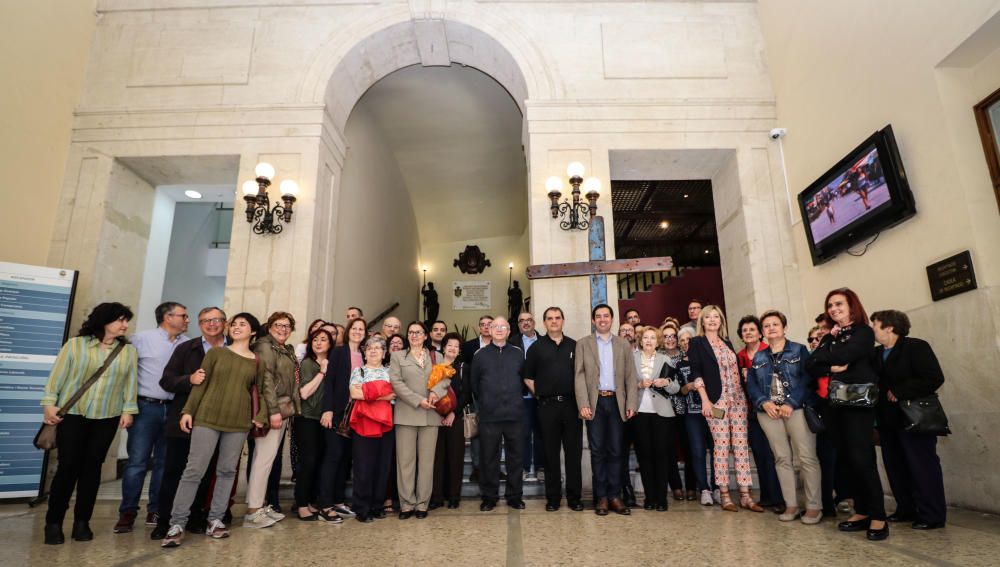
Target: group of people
{"points": [[393, 410]]}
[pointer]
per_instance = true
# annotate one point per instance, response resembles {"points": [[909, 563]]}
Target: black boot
{"points": [[54, 534], [81, 531]]}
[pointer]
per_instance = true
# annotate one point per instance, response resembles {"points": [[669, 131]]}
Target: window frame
{"points": [[990, 143]]}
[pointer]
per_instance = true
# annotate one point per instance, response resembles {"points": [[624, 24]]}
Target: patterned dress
{"points": [[731, 430]]}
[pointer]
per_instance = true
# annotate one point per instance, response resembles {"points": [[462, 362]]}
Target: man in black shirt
{"points": [[550, 375]]}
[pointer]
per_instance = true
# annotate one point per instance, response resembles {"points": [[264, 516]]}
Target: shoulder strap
{"points": [[90, 381]]}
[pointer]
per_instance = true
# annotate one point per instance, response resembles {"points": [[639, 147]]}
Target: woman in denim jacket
{"points": [[779, 387]]}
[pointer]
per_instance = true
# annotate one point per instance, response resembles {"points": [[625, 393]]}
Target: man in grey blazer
{"points": [[606, 393]]}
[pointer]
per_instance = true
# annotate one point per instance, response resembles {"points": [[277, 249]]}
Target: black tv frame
{"points": [[901, 204]]}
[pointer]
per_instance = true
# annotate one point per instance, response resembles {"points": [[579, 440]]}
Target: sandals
{"points": [[727, 502], [747, 503]]}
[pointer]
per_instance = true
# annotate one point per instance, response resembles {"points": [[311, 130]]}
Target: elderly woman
{"points": [[416, 422], [723, 403], [279, 398], [217, 415], [908, 370], [371, 426], [337, 448], [845, 355], [779, 388], [87, 428], [654, 420], [450, 454]]}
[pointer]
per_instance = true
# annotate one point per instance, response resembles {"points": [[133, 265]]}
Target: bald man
{"points": [[390, 327]]}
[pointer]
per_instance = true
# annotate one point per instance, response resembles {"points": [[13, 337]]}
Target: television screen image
{"points": [[863, 194], [851, 195]]}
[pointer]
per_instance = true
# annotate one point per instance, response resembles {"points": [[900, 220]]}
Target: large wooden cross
{"points": [[599, 266]]}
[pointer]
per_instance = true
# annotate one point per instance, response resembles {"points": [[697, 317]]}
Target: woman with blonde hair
{"points": [[723, 403]]}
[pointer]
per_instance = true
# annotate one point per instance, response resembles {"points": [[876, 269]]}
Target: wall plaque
{"points": [[951, 276], [472, 295]]}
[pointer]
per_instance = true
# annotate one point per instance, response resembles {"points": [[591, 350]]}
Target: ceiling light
{"points": [[707, 252], [192, 194], [685, 195], [664, 224]]}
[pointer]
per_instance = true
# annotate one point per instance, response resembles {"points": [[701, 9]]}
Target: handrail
{"points": [[382, 315]]}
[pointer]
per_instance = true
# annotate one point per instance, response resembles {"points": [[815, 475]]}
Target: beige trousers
{"points": [[265, 449], [790, 438], [415, 445]]}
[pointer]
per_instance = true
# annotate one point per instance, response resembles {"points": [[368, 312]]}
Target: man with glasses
{"points": [[469, 349], [497, 383], [390, 327], [181, 373], [534, 456], [549, 374], [146, 436], [694, 310]]}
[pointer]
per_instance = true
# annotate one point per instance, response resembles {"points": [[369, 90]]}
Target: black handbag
{"points": [[843, 394], [814, 419], [924, 415]]}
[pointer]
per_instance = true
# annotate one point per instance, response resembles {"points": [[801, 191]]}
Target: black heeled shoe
{"points": [[880, 534], [406, 515], [54, 534], [855, 526], [82, 532], [452, 504]]}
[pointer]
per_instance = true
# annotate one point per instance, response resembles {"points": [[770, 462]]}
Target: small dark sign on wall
{"points": [[951, 276]]}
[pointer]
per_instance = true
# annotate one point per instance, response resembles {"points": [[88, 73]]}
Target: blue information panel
{"points": [[35, 304]]}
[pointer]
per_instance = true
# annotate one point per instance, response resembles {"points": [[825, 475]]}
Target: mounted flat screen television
{"points": [[864, 194]]}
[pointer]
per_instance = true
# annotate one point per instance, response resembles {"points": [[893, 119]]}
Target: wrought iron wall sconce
{"points": [[265, 218], [575, 214]]}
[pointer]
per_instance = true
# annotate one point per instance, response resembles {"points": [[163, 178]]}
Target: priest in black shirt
{"points": [[550, 375]]}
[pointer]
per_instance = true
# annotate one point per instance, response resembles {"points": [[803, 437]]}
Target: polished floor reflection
{"points": [[687, 534]]}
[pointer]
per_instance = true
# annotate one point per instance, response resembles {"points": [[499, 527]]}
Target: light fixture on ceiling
{"points": [[265, 218], [707, 252], [192, 194], [685, 195], [576, 215], [664, 225]]}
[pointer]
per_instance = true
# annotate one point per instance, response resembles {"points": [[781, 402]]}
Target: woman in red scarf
{"points": [[371, 422]]}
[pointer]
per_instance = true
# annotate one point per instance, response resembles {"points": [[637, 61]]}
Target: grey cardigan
{"points": [[661, 404]]}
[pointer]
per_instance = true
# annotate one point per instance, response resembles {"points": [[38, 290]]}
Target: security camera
{"points": [[778, 133]]}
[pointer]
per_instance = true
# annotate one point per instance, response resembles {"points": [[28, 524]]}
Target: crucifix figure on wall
{"points": [[598, 267]]}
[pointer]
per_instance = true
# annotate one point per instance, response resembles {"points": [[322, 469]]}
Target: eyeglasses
{"points": [[814, 339], [184, 316], [414, 333], [501, 327], [529, 320], [284, 326], [216, 320]]}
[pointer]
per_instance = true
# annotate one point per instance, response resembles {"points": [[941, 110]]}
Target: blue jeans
{"points": [[146, 437], [700, 441], [606, 437], [534, 450]]}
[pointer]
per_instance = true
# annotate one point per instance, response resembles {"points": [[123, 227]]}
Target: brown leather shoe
{"points": [[747, 503], [601, 509], [125, 523], [619, 507]]}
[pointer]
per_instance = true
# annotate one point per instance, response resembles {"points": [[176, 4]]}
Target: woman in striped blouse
{"points": [[89, 427]]}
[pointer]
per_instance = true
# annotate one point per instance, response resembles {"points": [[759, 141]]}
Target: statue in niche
{"points": [[472, 260], [431, 305], [515, 301]]}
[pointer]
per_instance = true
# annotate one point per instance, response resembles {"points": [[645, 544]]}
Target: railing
{"points": [[631, 284], [378, 318]]}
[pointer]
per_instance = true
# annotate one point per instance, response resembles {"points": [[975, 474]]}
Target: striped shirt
{"points": [[114, 392]]}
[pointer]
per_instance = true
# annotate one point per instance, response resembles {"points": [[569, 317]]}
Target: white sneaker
{"points": [[174, 537], [706, 498], [344, 510], [273, 514], [217, 530], [717, 496], [258, 519]]}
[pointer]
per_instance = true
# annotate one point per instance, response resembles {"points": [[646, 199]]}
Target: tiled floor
{"points": [[687, 534]]}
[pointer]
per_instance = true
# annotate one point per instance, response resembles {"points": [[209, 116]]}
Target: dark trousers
{"points": [[914, 471], [491, 433], [836, 484], [562, 429], [449, 459], [681, 441], [534, 448], [628, 442], [606, 438], [273, 479], [763, 458], [173, 468], [654, 443], [372, 459], [335, 468], [83, 444], [700, 442], [851, 429], [308, 436]]}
